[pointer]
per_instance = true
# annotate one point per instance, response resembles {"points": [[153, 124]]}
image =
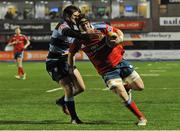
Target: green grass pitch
{"points": [[25, 104]]}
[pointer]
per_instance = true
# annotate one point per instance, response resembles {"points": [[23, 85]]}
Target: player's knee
{"points": [[114, 83], [82, 89], [135, 81], [141, 86]]}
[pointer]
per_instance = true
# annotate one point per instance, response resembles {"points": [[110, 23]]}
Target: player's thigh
{"points": [[67, 85], [116, 85], [135, 81], [112, 78], [78, 79]]}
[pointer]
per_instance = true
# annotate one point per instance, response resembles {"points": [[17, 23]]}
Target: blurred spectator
{"points": [[106, 15], [52, 15], [9, 15], [18, 15], [25, 14]]}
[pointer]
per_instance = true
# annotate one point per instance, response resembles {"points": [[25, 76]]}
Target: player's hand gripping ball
{"points": [[112, 37]]}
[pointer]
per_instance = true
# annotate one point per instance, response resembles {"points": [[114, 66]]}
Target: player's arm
{"points": [[115, 35], [120, 36], [27, 43], [71, 61], [66, 31], [11, 42], [71, 55]]}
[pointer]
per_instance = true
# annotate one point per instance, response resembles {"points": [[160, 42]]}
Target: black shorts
{"points": [[57, 69], [18, 55]]}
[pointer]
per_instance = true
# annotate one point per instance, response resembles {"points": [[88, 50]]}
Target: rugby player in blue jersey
{"points": [[56, 63]]}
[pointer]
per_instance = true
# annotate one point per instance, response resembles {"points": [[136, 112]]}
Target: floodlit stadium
{"points": [[151, 42]]}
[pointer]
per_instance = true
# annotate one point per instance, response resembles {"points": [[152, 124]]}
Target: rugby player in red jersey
{"points": [[106, 54], [20, 43]]}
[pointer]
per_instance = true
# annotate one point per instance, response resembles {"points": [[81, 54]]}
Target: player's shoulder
{"points": [[62, 25]]}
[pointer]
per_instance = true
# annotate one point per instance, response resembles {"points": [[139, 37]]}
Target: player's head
{"points": [[71, 13], [83, 23], [17, 30]]}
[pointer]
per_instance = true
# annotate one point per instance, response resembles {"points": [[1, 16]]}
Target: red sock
{"points": [[21, 70], [134, 109]]}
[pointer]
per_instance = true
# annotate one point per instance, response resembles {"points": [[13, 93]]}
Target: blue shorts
{"points": [[122, 70], [18, 55]]}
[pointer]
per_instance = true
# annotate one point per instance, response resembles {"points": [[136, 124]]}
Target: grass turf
{"points": [[25, 104]]}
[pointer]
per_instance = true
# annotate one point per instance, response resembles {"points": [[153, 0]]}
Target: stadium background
{"points": [[148, 24]]}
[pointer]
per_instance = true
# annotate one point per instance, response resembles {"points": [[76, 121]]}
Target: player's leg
{"points": [[19, 58], [68, 85], [54, 69], [79, 86], [134, 81], [113, 79], [58, 70], [116, 85]]}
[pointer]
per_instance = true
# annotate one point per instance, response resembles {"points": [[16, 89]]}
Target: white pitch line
{"points": [[90, 75], [56, 89], [163, 68], [150, 75], [105, 89], [12, 65], [157, 70], [172, 64]]}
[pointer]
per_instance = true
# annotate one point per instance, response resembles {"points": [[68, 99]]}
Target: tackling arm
{"points": [[74, 47], [75, 34]]}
